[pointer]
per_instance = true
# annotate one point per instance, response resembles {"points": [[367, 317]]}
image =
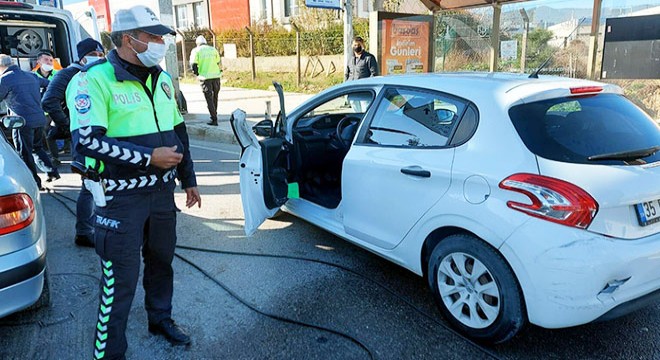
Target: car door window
{"points": [[412, 118], [353, 103]]}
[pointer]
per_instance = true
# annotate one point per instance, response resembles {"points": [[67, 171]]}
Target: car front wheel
{"points": [[476, 289]]}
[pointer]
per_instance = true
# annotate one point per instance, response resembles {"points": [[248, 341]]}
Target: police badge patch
{"points": [[167, 90], [83, 103]]}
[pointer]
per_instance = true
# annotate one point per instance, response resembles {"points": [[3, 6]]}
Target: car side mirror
{"points": [[263, 128], [12, 121]]}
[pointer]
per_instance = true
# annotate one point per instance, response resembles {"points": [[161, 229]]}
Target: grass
{"points": [[264, 81]]}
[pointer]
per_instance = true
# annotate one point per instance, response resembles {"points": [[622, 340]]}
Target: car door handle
{"points": [[416, 171]]}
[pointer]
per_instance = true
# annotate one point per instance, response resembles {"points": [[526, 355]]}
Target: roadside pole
{"points": [[348, 31], [295, 28], [254, 70]]}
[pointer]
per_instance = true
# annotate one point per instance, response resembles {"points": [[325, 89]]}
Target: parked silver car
{"points": [[23, 278]]}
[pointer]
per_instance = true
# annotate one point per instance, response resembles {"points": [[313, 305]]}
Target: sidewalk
{"points": [[253, 102]]}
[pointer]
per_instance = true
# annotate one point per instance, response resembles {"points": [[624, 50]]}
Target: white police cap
{"points": [[141, 18]]}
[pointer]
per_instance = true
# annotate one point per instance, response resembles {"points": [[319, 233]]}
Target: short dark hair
{"points": [[358, 39], [43, 52], [116, 36]]}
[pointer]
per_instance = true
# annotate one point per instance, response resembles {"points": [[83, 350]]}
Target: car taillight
{"points": [[16, 212], [586, 90], [552, 199]]}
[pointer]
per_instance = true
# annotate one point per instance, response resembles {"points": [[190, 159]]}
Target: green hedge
{"points": [[276, 40]]}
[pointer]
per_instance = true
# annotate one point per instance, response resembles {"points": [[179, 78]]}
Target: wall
{"points": [[229, 14]]}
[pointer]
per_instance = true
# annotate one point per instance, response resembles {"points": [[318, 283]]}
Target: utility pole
{"points": [[523, 52], [348, 31], [593, 39]]}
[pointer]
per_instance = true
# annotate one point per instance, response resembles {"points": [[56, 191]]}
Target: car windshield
{"points": [[595, 129]]}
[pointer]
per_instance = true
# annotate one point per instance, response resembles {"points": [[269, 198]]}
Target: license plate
{"points": [[648, 212]]}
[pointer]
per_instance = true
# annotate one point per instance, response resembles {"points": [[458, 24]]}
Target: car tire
{"points": [[44, 299], [486, 306]]}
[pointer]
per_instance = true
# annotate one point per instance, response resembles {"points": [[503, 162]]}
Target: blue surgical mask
{"points": [[90, 59], [153, 55]]}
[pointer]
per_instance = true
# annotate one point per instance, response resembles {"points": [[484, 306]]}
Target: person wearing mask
{"points": [[22, 90], [205, 62], [362, 64], [54, 103], [128, 127], [46, 70]]}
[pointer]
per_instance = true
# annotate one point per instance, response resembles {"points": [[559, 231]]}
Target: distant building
{"points": [[191, 14], [568, 31]]}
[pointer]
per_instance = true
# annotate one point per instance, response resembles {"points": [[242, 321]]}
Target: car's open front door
{"points": [[262, 170]]}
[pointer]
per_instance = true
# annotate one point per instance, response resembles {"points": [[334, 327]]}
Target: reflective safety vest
{"points": [[207, 59], [118, 120]]}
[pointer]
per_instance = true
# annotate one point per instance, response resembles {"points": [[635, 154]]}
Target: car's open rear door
{"points": [[263, 172]]}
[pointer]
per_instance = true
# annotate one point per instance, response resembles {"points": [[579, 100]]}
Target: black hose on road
{"points": [[486, 351]]}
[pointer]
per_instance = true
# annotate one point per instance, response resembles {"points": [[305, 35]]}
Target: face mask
{"points": [[47, 67], [153, 55], [357, 49], [91, 59]]}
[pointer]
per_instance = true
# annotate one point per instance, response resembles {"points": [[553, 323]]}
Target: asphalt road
{"points": [[318, 298]]}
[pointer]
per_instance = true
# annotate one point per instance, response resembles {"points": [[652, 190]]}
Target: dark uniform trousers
{"points": [[211, 90], [28, 141], [126, 225]]}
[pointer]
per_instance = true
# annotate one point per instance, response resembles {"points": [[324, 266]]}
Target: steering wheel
{"points": [[344, 123]]}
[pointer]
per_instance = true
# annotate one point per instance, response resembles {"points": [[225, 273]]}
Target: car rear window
{"points": [[575, 129]]}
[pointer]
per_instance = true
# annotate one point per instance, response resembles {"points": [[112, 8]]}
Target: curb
{"points": [[212, 134]]}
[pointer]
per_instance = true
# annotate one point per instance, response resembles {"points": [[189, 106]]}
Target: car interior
{"points": [[322, 138]]}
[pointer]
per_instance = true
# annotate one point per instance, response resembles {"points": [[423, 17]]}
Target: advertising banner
{"points": [[405, 46]]}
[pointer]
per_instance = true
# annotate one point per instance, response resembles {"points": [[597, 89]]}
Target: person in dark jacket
{"points": [[362, 64], [22, 90], [54, 103]]}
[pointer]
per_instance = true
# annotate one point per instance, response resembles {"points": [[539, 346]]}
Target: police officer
{"points": [[205, 62], [45, 69], [128, 125], [54, 103]]}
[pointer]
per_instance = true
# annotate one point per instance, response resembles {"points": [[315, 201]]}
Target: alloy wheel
{"points": [[468, 290]]}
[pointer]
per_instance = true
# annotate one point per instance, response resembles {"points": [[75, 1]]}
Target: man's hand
{"points": [[193, 197], [165, 157]]}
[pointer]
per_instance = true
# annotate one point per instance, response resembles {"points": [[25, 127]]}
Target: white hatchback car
{"points": [[519, 199]]}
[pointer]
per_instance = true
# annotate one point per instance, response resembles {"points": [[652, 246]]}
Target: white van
{"points": [[25, 29]]}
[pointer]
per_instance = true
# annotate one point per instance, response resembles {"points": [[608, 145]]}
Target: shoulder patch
{"points": [[83, 103], [166, 89]]}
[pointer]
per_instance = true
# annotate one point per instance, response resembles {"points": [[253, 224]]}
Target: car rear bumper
{"points": [[22, 277], [571, 277]]}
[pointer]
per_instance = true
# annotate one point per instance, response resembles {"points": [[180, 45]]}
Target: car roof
{"points": [[471, 85]]}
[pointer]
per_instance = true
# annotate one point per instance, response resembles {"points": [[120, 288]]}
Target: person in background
{"points": [[362, 64], [45, 69], [22, 90], [54, 103], [205, 62], [129, 129]]}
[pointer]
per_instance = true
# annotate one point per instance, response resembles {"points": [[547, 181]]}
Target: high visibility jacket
{"points": [[208, 63], [50, 76], [117, 120]]}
